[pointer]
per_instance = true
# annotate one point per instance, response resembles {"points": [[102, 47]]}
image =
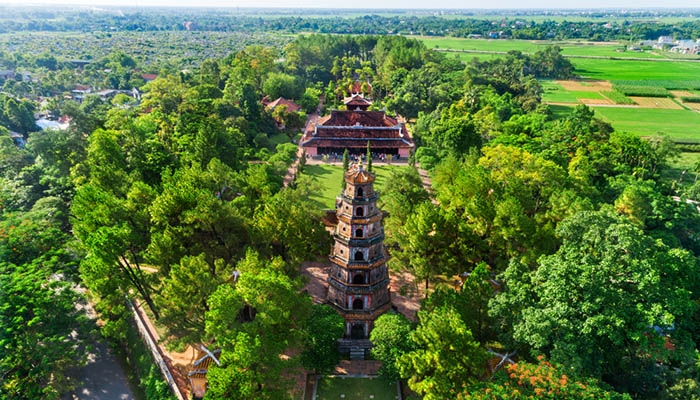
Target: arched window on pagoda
{"points": [[359, 256], [358, 279], [358, 304], [359, 232], [360, 192], [359, 211]]}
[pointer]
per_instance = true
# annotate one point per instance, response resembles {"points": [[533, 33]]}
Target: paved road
{"points": [[101, 379]]}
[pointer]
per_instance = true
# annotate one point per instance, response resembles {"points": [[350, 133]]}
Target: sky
{"points": [[379, 4]]}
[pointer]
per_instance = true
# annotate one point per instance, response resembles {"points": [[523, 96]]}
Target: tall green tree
{"points": [[255, 319], [445, 357], [603, 304], [369, 158], [321, 333], [391, 340], [423, 245], [38, 316]]}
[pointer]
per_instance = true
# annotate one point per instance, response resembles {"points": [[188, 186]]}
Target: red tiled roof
{"points": [[149, 77], [82, 87], [291, 106], [353, 129], [357, 87], [375, 143], [356, 100], [352, 118]]}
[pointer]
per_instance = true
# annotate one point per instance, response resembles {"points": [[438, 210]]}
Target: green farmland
{"points": [[680, 125], [605, 49], [635, 70]]}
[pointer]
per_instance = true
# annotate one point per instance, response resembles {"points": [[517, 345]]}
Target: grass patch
{"points": [[680, 125], [355, 388], [555, 93], [330, 178]]}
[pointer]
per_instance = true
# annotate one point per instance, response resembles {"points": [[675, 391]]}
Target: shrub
{"points": [[690, 99]]}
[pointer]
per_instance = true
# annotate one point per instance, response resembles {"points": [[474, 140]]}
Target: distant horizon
{"points": [[406, 5]]}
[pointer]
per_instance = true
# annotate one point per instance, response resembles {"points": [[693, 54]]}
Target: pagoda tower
{"points": [[358, 279]]}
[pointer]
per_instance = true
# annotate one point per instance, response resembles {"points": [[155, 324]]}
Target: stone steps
{"points": [[357, 353]]}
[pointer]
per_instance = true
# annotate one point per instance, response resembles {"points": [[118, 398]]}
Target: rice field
{"points": [[573, 48], [606, 83], [680, 125]]}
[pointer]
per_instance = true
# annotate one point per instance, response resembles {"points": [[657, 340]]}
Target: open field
{"points": [[635, 70], [656, 102], [569, 47], [648, 116], [337, 388], [680, 125], [573, 48], [330, 178]]}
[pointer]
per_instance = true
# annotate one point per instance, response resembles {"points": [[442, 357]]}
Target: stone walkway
{"points": [[357, 367], [407, 304]]}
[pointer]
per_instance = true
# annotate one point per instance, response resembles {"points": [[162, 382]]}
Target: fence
{"points": [[155, 351]]}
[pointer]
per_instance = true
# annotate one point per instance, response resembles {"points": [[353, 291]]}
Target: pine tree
{"points": [[369, 158], [302, 162], [346, 164]]}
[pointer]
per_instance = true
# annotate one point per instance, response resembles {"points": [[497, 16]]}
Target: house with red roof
{"points": [[149, 77], [291, 106]]}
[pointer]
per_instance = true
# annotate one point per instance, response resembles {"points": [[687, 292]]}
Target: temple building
{"points": [[352, 128], [358, 278]]}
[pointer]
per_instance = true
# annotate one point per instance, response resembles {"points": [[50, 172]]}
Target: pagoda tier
{"points": [[358, 279]]}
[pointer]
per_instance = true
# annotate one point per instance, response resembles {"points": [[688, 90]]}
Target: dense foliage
{"points": [[542, 235]]}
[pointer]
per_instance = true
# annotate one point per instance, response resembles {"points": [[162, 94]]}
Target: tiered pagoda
{"points": [[358, 279]]}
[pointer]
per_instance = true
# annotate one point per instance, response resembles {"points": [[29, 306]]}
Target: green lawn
{"points": [[331, 388], [681, 125], [330, 178]]}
